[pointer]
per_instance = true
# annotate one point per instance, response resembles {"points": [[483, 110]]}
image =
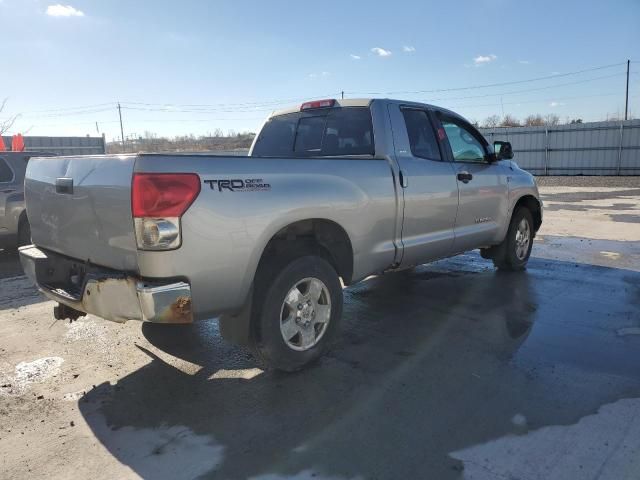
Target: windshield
{"points": [[326, 132]]}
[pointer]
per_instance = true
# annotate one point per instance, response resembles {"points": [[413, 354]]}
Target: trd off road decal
{"points": [[239, 185]]}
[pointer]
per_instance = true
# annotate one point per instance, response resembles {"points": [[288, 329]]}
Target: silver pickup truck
{"points": [[332, 191], [14, 226]]}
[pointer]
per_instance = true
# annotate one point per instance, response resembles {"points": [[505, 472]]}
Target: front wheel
{"points": [[297, 314], [513, 253]]}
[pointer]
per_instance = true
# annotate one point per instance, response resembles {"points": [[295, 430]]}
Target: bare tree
{"points": [[509, 121], [492, 121], [7, 123], [551, 119], [534, 120]]}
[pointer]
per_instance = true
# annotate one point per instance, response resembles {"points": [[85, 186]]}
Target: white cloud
{"points": [[60, 10], [524, 62], [408, 49], [355, 57], [381, 52], [483, 59], [556, 104]]}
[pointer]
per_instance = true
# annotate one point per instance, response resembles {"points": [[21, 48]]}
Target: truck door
{"points": [[429, 187], [482, 184]]}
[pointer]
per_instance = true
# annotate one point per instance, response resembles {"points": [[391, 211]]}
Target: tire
{"points": [[24, 232], [514, 251], [296, 313]]}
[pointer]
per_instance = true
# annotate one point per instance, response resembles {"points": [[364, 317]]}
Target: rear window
{"points": [[6, 174], [335, 131]]}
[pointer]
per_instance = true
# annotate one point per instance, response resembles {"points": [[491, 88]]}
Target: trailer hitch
{"points": [[62, 312]]}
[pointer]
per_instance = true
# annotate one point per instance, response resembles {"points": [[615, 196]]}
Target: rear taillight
{"points": [[158, 200]]}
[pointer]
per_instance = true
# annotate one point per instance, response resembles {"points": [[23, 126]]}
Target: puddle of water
{"points": [[622, 332]]}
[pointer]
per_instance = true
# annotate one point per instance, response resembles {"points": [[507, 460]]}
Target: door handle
{"points": [[404, 182], [465, 177]]}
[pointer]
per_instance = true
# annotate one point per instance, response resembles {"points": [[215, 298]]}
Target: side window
{"points": [[6, 174], [465, 146], [349, 132], [421, 136]]}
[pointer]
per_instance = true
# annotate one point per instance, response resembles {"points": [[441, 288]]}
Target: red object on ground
{"points": [[2, 147], [17, 143]]}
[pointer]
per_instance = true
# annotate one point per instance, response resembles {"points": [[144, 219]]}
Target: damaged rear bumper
{"points": [[105, 293]]}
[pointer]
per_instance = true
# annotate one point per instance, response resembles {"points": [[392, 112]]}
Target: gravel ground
{"points": [[448, 371], [594, 181]]}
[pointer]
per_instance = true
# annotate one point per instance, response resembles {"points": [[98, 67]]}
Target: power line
{"points": [[489, 85], [71, 114], [241, 104], [537, 100], [81, 109], [513, 92], [253, 110]]}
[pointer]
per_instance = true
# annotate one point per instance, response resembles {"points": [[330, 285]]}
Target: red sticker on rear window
{"points": [[441, 134]]}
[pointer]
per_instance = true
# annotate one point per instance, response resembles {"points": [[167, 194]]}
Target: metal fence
{"points": [[63, 145], [598, 148]]}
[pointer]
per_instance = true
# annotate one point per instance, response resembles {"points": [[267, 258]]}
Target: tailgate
{"points": [[81, 207]]}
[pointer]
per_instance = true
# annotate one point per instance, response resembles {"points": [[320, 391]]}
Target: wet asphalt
{"points": [[433, 368]]}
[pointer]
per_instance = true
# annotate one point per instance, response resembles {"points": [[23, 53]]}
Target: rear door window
{"points": [[421, 136], [6, 174], [328, 132]]}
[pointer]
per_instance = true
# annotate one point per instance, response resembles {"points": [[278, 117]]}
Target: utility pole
{"points": [[626, 98], [342, 93], [121, 129]]}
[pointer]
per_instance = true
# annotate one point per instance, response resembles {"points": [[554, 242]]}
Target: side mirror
{"points": [[503, 150]]}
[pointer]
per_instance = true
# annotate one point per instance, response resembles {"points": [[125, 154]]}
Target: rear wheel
{"points": [[513, 253], [296, 314], [24, 232]]}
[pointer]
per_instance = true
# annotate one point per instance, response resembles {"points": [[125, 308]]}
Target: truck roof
{"points": [[365, 102]]}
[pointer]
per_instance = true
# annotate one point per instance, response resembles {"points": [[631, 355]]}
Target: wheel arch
{"points": [[314, 236], [533, 205]]}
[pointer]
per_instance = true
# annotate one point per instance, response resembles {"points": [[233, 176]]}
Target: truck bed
{"points": [[243, 203]]}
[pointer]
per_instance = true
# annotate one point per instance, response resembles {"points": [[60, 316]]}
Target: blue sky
{"points": [[225, 64]]}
